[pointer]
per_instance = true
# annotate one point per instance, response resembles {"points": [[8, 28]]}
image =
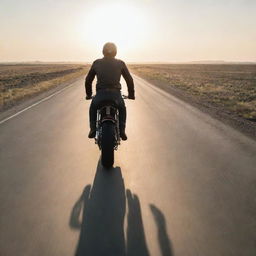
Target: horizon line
{"points": [[132, 62]]}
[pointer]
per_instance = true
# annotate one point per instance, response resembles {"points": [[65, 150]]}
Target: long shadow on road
{"points": [[99, 214]]}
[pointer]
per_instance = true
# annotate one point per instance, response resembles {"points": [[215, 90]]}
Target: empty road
{"points": [[184, 184]]}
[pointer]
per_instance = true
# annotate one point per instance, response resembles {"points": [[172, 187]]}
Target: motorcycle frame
{"points": [[107, 118]]}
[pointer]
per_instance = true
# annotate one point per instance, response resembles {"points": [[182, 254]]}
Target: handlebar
{"points": [[125, 97]]}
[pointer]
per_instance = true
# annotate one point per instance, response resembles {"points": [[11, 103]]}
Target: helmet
{"points": [[109, 50]]}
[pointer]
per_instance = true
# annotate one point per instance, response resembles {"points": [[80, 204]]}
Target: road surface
{"points": [[184, 184]]}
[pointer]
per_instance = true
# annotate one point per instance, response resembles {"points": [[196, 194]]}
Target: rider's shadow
{"points": [[99, 214]]}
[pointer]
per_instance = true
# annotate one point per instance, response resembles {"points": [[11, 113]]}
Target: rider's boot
{"points": [[92, 132], [122, 133]]}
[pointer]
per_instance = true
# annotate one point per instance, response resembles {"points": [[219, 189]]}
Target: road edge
{"points": [[244, 126], [33, 100]]}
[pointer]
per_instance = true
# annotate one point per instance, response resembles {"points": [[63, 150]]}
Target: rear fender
{"points": [[108, 119]]}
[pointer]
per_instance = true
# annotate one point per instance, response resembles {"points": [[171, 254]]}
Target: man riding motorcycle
{"points": [[108, 88]]}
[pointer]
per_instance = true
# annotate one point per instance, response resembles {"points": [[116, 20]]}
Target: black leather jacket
{"points": [[108, 71]]}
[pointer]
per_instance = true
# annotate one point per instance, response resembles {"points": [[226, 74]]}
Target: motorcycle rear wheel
{"points": [[107, 144]]}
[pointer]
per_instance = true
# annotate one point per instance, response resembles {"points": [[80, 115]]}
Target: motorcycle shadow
{"points": [[99, 213]]}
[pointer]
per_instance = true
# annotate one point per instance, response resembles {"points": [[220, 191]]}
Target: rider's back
{"points": [[108, 72]]}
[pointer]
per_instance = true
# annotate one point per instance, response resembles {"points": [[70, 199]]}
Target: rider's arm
{"points": [[88, 81], [129, 81]]}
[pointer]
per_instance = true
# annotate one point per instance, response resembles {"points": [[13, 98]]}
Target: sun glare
{"points": [[122, 24]]}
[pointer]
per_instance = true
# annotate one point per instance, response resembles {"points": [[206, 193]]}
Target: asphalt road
{"points": [[183, 184]]}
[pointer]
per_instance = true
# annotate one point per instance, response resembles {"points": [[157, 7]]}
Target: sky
{"points": [[143, 30]]}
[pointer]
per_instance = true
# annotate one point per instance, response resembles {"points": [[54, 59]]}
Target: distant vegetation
{"points": [[231, 87], [21, 81]]}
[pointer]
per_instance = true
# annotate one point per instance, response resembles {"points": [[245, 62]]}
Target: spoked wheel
{"points": [[107, 144]]}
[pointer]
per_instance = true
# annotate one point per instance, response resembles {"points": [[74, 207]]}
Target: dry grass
{"points": [[232, 87], [18, 82]]}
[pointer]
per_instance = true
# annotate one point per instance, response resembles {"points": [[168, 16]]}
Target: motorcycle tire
{"points": [[107, 144]]}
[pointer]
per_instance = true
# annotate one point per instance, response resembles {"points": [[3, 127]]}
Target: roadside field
{"points": [[21, 81], [232, 88]]}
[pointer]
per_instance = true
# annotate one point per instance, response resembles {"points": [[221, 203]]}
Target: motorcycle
{"points": [[107, 132]]}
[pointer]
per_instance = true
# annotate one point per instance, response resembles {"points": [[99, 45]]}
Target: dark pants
{"points": [[106, 96]]}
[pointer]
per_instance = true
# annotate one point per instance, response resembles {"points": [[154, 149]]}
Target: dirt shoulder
{"points": [[21, 82], [187, 83]]}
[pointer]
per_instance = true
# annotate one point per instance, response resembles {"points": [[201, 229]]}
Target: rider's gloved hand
{"points": [[131, 97], [88, 97]]}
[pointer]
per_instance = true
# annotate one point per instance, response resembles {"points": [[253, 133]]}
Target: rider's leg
{"points": [[93, 117], [122, 118]]}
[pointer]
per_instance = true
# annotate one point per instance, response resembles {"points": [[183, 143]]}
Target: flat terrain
{"points": [[231, 88], [184, 184], [20, 81]]}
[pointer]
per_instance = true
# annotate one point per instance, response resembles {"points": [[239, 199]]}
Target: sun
{"points": [[121, 23]]}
